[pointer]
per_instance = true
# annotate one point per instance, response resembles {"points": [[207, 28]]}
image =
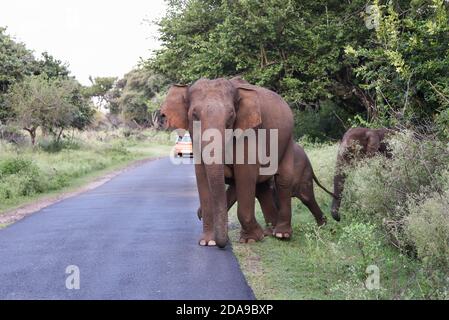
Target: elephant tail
{"points": [[321, 186]]}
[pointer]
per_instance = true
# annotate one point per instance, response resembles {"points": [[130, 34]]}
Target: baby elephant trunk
{"points": [[339, 181]]}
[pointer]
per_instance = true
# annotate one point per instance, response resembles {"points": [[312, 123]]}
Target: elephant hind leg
{"points": [[307, 197], [245, 183], [265, 195]]}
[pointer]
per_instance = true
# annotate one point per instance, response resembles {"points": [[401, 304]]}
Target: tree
{"points": [[136, 97], [85, 111], [406, 69], [314, 53], [294, 47], [100, 87], [52, 67], [16, 62], [41, 102]]}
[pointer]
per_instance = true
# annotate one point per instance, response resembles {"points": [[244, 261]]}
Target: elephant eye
{"points": [[231, 119]]}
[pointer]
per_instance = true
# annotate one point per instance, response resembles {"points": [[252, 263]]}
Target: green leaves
{"points": [[407, 69], [393, 70], [52, 104], [17, 63], [293, 47], [137, 97]]}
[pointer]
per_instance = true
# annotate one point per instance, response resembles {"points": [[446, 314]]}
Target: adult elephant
{"points": [[222, 104], [356, 143]]}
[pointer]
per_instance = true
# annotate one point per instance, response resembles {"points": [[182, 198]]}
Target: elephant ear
{"points": [[248, 108], [175, 108]]}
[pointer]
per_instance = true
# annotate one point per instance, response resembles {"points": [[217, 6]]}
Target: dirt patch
{"points": [[9, 217]]}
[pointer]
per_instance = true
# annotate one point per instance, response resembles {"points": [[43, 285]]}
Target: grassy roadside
{"points": [[28, 175], [316, 264], [331, 262]]}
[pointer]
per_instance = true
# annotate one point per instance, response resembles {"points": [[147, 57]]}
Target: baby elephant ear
{"points": [[248, 108], [175, 108]]}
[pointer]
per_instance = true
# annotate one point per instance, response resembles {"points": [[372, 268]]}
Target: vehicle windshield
{"points": [[186, 139]]}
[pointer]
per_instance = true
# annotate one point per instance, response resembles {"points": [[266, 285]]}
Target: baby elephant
{"points": [[356, 143], [302, 188]]}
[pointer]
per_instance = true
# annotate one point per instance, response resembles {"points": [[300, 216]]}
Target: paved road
{"points": [[135, 237]]}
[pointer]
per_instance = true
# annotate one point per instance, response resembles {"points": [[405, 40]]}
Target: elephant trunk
{"points": [[339, 181], [215, 176]]}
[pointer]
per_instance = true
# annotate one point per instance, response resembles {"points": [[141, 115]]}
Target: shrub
{"points": [[53, 146], [15, 165], [362, 236], [427, 228], [378, 189], [442, 124], [12, 134], [20, 177]]}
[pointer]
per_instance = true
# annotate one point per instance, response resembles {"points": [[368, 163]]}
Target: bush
{"points": [[363, 237], [322, 124], [380, 190], [15, 165], [53, 146], [12, 135], [20, 177], [442, 124], [427, 228]]}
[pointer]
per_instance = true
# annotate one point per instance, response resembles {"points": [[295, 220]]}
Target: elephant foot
{"points": [[283, 233], [282, 236], [207, 241], [322, 222], [252, 236], [335, 215], [268, 231]]}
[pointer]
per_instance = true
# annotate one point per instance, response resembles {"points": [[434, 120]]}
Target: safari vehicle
{"points": [[184, 146]]}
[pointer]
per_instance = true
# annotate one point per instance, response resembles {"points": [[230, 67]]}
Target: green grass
{"points": [[329, 262], [27, 174]]}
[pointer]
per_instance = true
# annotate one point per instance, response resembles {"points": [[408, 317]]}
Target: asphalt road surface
{"points": [[134, 237]]}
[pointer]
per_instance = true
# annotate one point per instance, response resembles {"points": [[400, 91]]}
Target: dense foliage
{"points": [[50, 104], [137, 97], [407, 199], [39, 93], [387, 62]]}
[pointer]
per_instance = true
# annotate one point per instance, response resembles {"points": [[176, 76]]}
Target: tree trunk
{"points": [[59, 135]]}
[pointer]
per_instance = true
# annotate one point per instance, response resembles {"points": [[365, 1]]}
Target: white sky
{"points": [[96, 37]]}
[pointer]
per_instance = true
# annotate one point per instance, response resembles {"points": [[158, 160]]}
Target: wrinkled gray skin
{"points": [[356, 144], [234, 104]]}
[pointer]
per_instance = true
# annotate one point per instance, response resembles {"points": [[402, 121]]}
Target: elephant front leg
{"points": [[207, 238], [231, 199], [245, 181], [283, 180]]}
